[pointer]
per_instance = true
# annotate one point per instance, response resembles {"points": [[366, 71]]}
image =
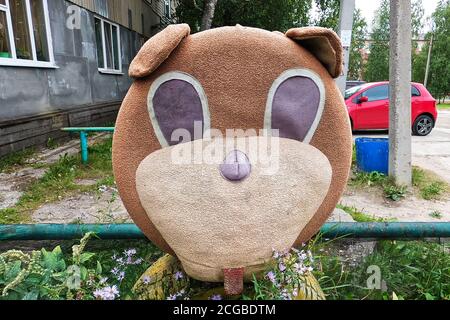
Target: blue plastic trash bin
{"points": [[372, 154]]}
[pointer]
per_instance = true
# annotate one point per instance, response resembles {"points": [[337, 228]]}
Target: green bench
{"points": [[83, 132]]}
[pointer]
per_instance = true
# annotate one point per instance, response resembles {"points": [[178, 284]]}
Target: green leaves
{"points": [[12, 271], [278, 15], [53, 261], [85, 257], [44, 275], [359, 34], [394, 192], [377, 67]]}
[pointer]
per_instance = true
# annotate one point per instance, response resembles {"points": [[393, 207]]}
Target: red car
{"points": [[368, 107]]}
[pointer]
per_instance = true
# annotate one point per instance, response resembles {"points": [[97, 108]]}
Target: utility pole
{"points": [[345, 32], [427, 70], [400, 167]]}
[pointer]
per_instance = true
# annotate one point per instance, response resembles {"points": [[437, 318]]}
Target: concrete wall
{"points": [[27, 94], [76, 81]]}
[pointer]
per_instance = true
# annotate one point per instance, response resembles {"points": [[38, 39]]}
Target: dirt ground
{"points": [[103, 206], [410, 209]]}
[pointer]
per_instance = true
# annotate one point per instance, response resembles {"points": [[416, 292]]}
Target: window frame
{"points": [[364, 93], [105, 68], [413, 87], [34, 63]]}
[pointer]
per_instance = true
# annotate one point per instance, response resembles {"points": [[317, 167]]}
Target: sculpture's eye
{"points": [[295, 104], [178, 108]]}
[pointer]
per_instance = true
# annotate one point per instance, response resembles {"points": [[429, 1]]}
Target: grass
{"points": [[59, 182], [15, 159], [360, 216], [427, 185], [375, 179], [444, 106], [436, 215], [410, 270]]}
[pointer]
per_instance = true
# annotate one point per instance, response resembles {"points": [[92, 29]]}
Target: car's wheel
{"points": [[423, 125]]}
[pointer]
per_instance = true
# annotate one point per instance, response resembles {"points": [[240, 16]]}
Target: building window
{"points": [[108, 46], [167, 9], [25, 38]]}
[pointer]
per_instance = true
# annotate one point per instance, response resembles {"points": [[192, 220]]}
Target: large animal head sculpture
{"points": [[224, 219]]}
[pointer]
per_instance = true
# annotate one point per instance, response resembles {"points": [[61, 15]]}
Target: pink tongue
{"points": [[233, 281]]}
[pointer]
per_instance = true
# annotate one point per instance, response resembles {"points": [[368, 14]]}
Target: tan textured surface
{"points": [[324, 43], [236, 66], [157, 49], [213, 224]]}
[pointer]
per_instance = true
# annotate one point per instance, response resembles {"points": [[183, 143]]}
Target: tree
{"points": [[266, 14], [359, 34], [417, 13], [328, 12], [420, 61], [208, 14], [439, 81], [377, 68], [378, 60]]}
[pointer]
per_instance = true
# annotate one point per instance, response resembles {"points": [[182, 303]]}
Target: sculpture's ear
{"points": [[158, 49], [323, 43]]}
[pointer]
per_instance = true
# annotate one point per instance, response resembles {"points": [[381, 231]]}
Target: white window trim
{"points": [[14, 61], [103, 69]]}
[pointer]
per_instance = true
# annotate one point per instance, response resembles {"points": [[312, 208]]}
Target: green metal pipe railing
{"points": [[84, 138], [391, 230]]}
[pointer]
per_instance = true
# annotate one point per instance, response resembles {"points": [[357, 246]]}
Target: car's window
{"points": [[377, 93], [352, 91], [415, 92]]}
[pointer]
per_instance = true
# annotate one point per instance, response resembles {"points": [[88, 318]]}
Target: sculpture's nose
{"points": [[236, 166]]}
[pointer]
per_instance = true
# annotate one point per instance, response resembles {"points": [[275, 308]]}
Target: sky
{"points": [[368, 8]]}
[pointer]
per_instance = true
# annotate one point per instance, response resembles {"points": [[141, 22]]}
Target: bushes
{"points": [[409, 270], [79, 275]]}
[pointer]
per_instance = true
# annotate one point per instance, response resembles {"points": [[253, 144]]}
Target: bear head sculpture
{"points": [[224, 219]]}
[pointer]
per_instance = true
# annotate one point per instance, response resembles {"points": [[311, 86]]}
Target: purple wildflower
{"points": [[146, 280], [216, 297], [130, 253], [107, 293], [285, 294], [302, 256], [271, 276], [282, 267], [179, 275], [177, 295], [115, 271], [276, 254], [121, 276]]}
